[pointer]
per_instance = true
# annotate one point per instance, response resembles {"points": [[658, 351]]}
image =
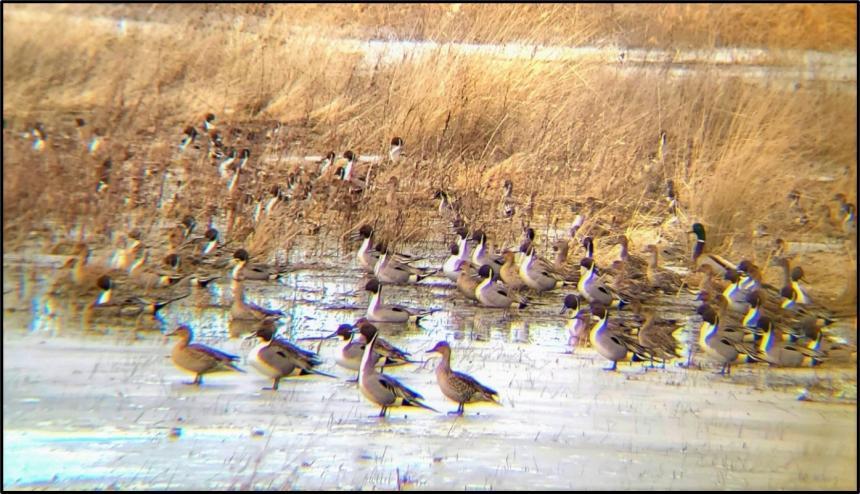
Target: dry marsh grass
{"points": [[561, 131]]}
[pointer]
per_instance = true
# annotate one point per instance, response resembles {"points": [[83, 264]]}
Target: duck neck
{"points": [[698, 249], [367, 361], [599, 327], [463, 249], [624, 255], [375, 300], [444, 364]]}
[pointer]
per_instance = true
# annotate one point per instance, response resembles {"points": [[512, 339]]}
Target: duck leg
{"points": [[275, 383], [198, 380], [459, 411]]}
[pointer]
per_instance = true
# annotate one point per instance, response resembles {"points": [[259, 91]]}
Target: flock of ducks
{"points": [[741, 314]]}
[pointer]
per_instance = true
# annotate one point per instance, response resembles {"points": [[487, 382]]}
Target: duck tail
{"points": [[306, 372], [426, 274], [417, 403]]}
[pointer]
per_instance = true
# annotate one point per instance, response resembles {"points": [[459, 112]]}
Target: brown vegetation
{"points": [[561, 131]]}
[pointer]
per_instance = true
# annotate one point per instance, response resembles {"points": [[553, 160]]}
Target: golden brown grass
{"points": [[561, 131], [799, 26]]}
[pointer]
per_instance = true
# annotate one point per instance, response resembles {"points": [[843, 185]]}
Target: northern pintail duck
{"points": [[278, 358], [612, 344], [509, 273], [457, 386], [633, 266], [199, 278], [658, 340], [664, 280], [209, 122], [491, 293], [389, 270], [459, 252], [507, 206], [481, 256], [453, 265], [189, 135], [379, 312], [199, 359], [255, 271], [724, 343], [225, 166], [350, 354], [393, 355], [594, 289], [242, 309], [368, 256], [396, 150], [468, 281], [382, 389], [537, 274], [578, 329], [815, 339], [847, 213], [779, 352]]}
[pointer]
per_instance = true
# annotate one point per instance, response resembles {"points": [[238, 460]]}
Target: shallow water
{"points": [[104, 407]]}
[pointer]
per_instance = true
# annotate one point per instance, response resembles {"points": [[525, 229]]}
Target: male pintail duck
{"points": [[197, 358], [493, 294], [378, 312], [389, 270], [392, 354], [457, 386], [609, 342], [847, 213], [225, 166], [368, 256], [454, 263], [189, 134], [801, 297], [724, 344], [209, 122], [594, 289], [536, 274], [198, 279], [815, 339], [277, 358], [481, 256], [658, 340], [245, 310], [783, 353], [353, 349], [382, 389], [396, 150], [578, 329], [256, 271]]}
